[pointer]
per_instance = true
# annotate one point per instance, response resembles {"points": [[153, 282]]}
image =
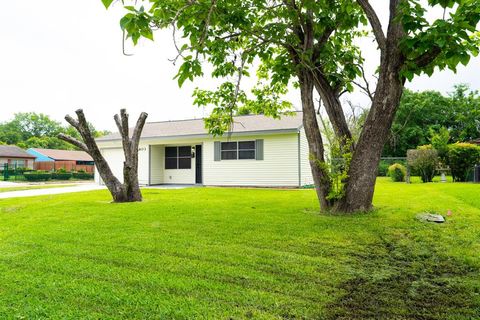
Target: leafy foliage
{"points": [[422, 115], [397, 172], [440, 142], [423, 161], [239, 39], [461, 158], [37, 130], [449, 40], [37, 176], [383, 169], [339, 171]]}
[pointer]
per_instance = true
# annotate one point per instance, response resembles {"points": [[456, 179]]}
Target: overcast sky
{"points": [[60, 55]]}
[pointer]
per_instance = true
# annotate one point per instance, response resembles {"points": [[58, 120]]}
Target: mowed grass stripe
{"points": [[217, 253]]}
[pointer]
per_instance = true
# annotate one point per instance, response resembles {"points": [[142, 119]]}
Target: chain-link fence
{"points": [[338, 164]]}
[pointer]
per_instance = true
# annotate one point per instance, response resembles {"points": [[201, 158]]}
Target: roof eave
{"points": [[203, 135]]}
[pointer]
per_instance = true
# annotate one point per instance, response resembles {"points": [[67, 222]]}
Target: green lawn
{"points": [[217, 253]]}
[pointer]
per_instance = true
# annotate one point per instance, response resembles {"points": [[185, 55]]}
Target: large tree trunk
{"points": [[362, 173], [315, 143], [129, 190]]}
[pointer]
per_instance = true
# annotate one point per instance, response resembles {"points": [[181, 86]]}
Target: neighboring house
{"points": [[70, 160], [260, 151], [15, 157]]}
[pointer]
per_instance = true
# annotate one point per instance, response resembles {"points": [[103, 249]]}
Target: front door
{"points": [[198, 164]]}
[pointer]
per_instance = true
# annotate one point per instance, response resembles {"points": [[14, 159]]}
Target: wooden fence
{"points": [[67, 165]]}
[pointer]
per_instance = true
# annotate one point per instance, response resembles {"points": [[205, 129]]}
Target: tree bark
{"points": [[362, 173], [315, 142], [334, 110], [129, 190]]}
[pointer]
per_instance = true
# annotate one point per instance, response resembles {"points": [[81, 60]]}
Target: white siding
{"points": [[161, 175], [143, 164], [279, 167], [114, 158], [305, 170]]}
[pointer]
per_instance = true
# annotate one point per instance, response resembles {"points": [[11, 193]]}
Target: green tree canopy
{"points": [[37, 130], [420, 113]]}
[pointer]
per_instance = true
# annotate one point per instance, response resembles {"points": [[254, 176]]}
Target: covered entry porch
{"points": [[176, 163]]}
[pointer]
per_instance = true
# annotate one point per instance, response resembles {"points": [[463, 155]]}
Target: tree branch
{"points": [[365, 88], [122, 124], [138, 130], [73, 141], [426, 58], [72, 122], [321, 42], [374, 22]]}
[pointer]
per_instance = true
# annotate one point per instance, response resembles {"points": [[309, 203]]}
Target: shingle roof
{"points": [[14, 152], [196, 127], [67, 155]]}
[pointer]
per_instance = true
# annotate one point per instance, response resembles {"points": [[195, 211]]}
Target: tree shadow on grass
{"points": [[396, 281]]}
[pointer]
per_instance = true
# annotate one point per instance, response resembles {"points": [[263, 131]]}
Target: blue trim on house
{"points": [[39, 156]]}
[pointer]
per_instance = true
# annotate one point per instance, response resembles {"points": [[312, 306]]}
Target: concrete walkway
{"points": [[8, 184], [49, 191]]}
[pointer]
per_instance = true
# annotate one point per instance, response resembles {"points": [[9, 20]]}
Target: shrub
{"points": [[82, 175], [61, 175], [440, 142], [397, 172], [383, 169], [37, 176], [423, 161], [461, 158]]}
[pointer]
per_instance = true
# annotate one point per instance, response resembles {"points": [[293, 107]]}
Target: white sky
{"points": [[60, 55]]}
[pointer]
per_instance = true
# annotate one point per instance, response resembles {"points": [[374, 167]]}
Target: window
{"points": [[178, 157], [17, 163], [238, 150]]}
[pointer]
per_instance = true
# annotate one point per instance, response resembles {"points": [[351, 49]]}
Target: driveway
{"points": [[49, 191]]}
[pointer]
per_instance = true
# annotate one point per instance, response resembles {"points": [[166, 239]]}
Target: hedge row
{"points": [[45, 175]]}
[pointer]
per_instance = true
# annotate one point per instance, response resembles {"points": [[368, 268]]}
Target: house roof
{"points": [[14, 152], [196, 127], [67, 155]]}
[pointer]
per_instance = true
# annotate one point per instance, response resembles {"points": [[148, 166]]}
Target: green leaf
{"points": [[464, 59], [147, 33], [107, 3]]}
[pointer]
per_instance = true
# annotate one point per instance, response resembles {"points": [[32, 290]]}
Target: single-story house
{"points": [[70, 160], [259, 151], [15, 157]]}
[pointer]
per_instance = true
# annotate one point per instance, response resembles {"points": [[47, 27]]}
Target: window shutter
{"points": [[216, 151], [259, 149]]}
